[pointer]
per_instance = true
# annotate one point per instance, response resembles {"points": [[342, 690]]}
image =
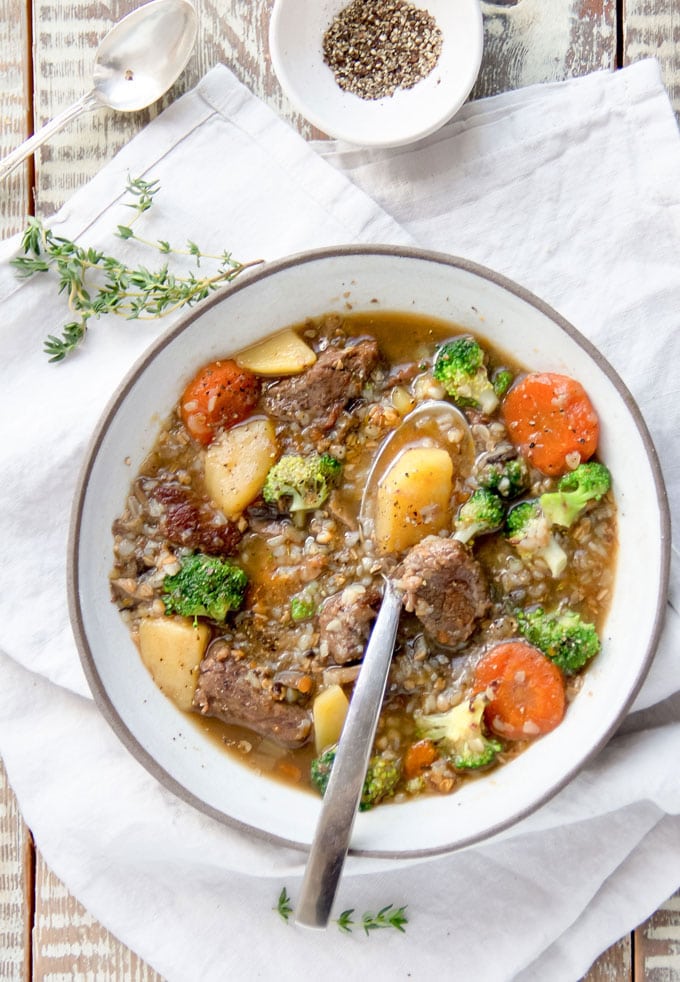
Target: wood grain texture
{"points": [[657, 945], [68, 944], [15, 110], [651, 29], [529, 41], [613, 965], [16, 874]]}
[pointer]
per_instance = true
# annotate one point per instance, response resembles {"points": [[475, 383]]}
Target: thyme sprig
{"points": [[97, 284], [387, 917]]}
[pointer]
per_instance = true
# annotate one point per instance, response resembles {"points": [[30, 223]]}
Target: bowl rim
{"points": [[252, 277], [344, 132]]}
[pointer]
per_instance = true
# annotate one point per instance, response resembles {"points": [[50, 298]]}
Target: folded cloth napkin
{"points": [[570, 189]]}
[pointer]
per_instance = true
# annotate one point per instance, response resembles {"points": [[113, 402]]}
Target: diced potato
{"points": [[412, 498], [236, 464], [284, 354], [172, 649], [329, 712]]}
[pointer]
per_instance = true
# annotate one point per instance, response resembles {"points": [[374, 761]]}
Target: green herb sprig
{"points": [[96, 284], [387, 917]]}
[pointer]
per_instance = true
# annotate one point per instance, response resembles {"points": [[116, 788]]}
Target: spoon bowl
{"points": [[135, 64], [435, 421], [143, 54]]}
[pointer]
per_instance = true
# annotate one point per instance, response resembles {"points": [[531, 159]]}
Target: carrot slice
{"points": [[527, 690], [549, 417], [418, 757], [220, 395]]}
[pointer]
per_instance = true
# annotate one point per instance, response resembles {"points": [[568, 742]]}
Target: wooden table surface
{"points": [[46, 53]]}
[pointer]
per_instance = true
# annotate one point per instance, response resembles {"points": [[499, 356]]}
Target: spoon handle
{"points": [[333, 831], [30, 145]]}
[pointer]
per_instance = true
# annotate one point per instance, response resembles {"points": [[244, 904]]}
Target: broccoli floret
{"points": [[483, 512], [381, 780], [588, 482], [530, 532], [205, 586], [501, 381], [459, 366], [298, 483], [562, 635], [301, 608], [507, 476], [460, 734]]}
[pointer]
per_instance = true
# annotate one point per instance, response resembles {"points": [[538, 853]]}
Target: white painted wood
{"points": [[15, 886], [14, 106], [652, 30]]}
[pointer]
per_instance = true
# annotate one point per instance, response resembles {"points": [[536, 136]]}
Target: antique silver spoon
{"points": [[135, 64], [432, 419], [331, 838]]}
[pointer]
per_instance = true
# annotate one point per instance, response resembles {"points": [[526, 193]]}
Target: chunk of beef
{"points": [[345, 621], [230, 689], [321, 393], [445, 587], [187, 520]]}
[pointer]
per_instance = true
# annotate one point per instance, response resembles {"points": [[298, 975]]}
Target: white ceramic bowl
{"points": [[295, 44], [273, 297]]}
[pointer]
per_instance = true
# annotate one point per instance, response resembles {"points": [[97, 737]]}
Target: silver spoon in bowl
{"points": [[135, 64], [338, 811]]}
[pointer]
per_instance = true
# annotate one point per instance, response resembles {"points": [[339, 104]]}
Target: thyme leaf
{"points": [[387, 917], [96, 284], [283, 905]]}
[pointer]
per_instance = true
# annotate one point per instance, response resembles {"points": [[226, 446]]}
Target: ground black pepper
{"points": [[375, 47]]}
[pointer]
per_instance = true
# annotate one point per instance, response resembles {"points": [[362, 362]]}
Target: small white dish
{"points": [[283, 293], [296, 35]]}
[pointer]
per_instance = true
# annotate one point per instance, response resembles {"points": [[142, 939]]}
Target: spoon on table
{"points": [[135, 64], [340, 802]]}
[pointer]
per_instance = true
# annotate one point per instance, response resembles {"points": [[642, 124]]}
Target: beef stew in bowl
{"points": [[302, 610], [250, 578]]}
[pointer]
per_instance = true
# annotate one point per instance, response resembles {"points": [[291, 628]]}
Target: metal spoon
{"points": [[135, 64], [433, 419], [333, 831]]}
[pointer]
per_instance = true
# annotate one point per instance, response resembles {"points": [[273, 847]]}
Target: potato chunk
{"points": [[172, 649], [329, 712], [284, 354], [412, 498], [236, 464]]}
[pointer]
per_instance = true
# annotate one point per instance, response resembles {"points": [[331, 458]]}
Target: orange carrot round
{"points": [[418, 757], [550, 417], [220, 395], [527, 690]]}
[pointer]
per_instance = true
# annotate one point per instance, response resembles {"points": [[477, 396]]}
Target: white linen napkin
{"points": [[572, 190]]}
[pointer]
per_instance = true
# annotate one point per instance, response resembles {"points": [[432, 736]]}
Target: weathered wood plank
{"points": [[528, 41], [15, 109], [657, 945], [16, 880], [614, 965], [651, 29], [69, 944]]}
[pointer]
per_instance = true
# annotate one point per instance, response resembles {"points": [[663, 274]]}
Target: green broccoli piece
{"points": [[381, 780], [502, 380], [301, 608], [575, 490], [562, 636], [483, 512], [530, 532], [296, 483], [459, 366], [460, 734], [205, 586], [506, 475]]}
